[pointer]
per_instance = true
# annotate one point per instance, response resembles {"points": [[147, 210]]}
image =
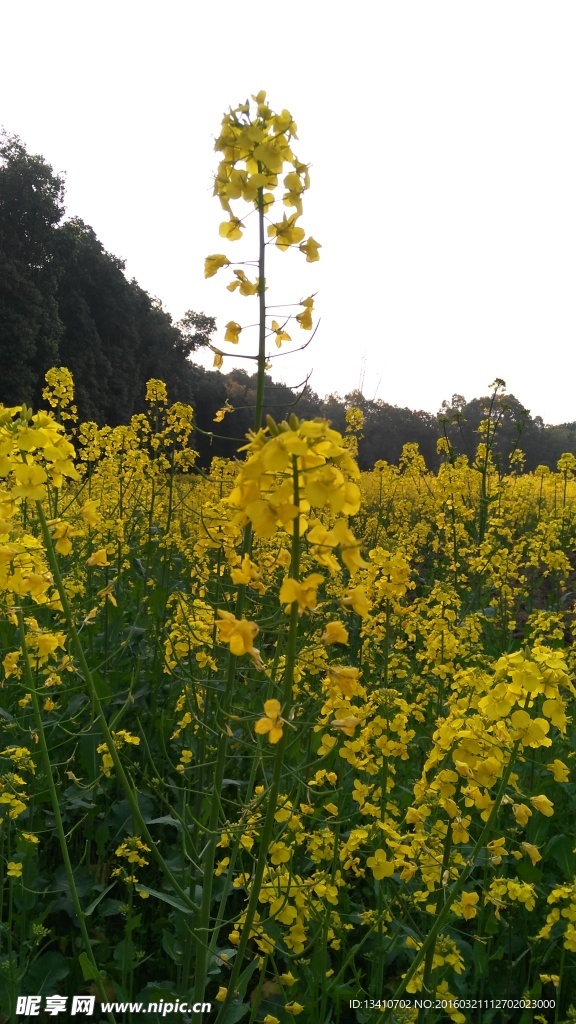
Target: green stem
{"points": [[268, 826], [45, 756], [439, 898], [559, 991], [456, 889], [101, 718], [203, 919], [262, 312]]}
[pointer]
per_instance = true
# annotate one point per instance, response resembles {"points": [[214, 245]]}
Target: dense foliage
{"points": [[384, 692]]}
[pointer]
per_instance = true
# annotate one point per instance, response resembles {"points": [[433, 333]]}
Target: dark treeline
{"points": [[65, 301]]}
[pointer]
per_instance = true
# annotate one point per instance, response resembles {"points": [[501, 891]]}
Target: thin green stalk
{"points": [[47, 765], [210, 855], [12, 960], [428, 963], [2, 887], [559, 991], [101, 718], [233, 855], [258, 991], [261, 311], [386, 651], [128, 951], [268, 826], [203, 918], [456, 889]]}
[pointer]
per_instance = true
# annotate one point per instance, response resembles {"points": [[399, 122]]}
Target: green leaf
{"points": [[73, 798], [561, 848], [95, 902], [172, 945], [100, 685], [173, 901], [46, 972], [89, 973], [234, 1012], [166, 819], [101, 836], [480, 958], [492, 926], [528, 872], [247, 973], [125, 954], [219, 958]]}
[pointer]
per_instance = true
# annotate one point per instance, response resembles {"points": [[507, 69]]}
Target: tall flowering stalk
{"points": [[255, 147], [255, 144]]}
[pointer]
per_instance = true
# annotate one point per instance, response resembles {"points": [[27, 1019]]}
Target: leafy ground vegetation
{"points": [[283, 736]]}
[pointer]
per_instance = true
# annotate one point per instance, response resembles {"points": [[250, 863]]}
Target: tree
{"points": [[196, 330], [31, 206]]}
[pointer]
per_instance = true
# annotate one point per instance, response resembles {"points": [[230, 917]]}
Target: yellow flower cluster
{"points": [[119, 738], [255, 146], [292, 469], [133, 851], [256, 149]]}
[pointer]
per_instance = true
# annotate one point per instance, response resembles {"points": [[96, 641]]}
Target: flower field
{"points": [[321, 756], [282, 736]]}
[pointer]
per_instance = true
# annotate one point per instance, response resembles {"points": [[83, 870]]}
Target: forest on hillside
{"points": [[66, 301]]}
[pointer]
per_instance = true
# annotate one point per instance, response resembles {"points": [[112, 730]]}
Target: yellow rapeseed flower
{"points": [[231, 229], [286, 232], [310, 248], [521, 813], [271, 725], [532, 852], [245, 286], [30, 480], [232, 332], [237, 633], [543, 804], [380, 865], [213, 264], [560, 771], [467, 905], [335, 633], [305, 317], [281, 334], [99, 558], [304, 592]]}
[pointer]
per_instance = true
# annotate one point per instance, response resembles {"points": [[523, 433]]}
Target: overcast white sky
{"points": [[441, 138]]}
